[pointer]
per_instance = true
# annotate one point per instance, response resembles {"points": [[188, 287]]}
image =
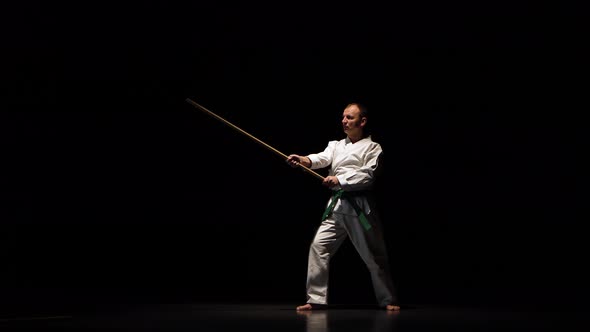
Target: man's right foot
{"points": [[309, 306], [305, 307], [392, 307]]}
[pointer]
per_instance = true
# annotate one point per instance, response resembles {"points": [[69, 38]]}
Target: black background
{"points": [[117, 189]]}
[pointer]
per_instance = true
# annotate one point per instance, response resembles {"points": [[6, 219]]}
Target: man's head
{"points": [[354, 121]]}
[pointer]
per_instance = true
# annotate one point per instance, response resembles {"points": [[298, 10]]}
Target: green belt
{"points": [[337, 195]]}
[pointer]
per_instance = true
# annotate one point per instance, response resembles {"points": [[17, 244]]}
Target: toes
{"points": [[392, 307]]}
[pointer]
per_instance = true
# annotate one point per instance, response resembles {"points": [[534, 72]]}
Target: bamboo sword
{"points": [[308, 170]]}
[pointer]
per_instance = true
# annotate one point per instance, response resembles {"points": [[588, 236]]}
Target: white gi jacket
{"points": [[355, 165]]}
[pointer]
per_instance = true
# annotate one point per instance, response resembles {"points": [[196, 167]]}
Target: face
{"points": [[352, 122]]}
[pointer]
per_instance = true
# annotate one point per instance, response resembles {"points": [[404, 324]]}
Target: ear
{"points": [[363, 121]]}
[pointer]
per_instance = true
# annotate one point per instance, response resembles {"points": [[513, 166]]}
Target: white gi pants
{"points": [[368, 243]]}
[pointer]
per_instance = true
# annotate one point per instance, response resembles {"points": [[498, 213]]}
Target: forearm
{"points": [[305, 161]]}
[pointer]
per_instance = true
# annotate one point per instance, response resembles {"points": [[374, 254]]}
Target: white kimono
{"points": [[355, 165]]}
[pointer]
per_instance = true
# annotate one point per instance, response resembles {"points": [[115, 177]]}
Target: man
{"points": [[354, 164]]}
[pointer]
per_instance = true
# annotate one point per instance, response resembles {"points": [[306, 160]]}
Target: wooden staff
{"points": [[308, 170]]}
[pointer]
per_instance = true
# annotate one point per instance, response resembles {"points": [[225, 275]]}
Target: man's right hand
{"points": [[297, 160]]}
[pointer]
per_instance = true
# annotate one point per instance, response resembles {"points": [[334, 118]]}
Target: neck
{"points": [[355, 138]]}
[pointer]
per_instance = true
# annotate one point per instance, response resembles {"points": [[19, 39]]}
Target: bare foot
{"points": [[309, 307], [305, 307], [392, 307]]}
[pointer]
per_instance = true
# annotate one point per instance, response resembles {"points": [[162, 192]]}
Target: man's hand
{"points": [[331, 181], [297, 160]]}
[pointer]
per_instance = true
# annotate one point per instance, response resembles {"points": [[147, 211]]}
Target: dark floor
{"points": [[283, 317]]}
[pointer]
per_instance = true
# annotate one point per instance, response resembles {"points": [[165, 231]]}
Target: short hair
{"points": [[364, 112]]}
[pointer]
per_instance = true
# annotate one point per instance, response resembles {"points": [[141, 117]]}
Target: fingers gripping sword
{"points": [[308, 170]]}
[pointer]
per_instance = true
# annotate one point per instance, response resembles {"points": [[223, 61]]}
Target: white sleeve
{"points": [[324, 158]]}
